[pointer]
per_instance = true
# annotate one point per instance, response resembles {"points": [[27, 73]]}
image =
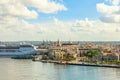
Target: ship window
{"points": [[10, 50]]}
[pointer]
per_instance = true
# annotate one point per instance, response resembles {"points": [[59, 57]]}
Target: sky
{"points": [[81, 20]]}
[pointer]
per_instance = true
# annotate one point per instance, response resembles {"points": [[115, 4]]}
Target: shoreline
{"points": [[81, 64]]}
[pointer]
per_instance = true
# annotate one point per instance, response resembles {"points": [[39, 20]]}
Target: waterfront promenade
{"points": [[81, 63]]}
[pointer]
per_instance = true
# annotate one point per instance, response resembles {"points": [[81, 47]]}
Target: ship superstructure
{"points": [[16, 50]]}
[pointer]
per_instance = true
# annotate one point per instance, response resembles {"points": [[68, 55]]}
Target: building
{"points": [[111, 56], [60, 50]]}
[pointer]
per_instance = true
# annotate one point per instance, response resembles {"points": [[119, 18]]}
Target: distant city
{"points": [[46, 41], [97, 52]]}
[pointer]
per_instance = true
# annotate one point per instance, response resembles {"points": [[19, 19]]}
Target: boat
{"points": [[27, 56], [17, 50]]}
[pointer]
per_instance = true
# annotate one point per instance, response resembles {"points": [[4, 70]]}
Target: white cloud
{"points": [[14, 8], [64, 30], [114, 2], [111, 13], [107, 9], [14, 27], [111, 18], [19, 8], [47, 6], [14, 12]]}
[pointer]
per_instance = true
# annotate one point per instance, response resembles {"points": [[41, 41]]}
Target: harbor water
{"points": [[13, 69]]}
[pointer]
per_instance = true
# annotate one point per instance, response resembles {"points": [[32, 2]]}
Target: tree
{"points": [[92, 53], [68, 57]]}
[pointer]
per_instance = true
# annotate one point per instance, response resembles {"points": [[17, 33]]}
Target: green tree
{"points": [[68, 57], [92, 53]]}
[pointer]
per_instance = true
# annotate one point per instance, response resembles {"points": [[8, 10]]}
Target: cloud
{"points": [[47, 6], [110, 18], [106, 9], [114, 2], [117, 30], [14, 16], [14, 26], [111, 13], [82, 23], [15, 8], [64, 30], [98, 31], [20, 8]]}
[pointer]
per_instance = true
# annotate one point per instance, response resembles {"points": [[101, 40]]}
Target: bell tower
{"points": [[58, 43]]}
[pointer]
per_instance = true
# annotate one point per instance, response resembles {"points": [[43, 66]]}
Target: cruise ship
{"points": [[16, 50]]}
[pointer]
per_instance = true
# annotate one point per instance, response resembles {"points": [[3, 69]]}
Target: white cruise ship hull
{"points": [[20, 50]]}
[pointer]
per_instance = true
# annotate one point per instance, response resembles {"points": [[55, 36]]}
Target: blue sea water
{"points": [[11, 69]]}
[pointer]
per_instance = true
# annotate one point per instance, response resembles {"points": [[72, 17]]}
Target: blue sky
{"points": [[83, 20], [77, 9]]}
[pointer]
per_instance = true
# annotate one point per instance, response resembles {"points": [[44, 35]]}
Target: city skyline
{"points": [[81, 20]]}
